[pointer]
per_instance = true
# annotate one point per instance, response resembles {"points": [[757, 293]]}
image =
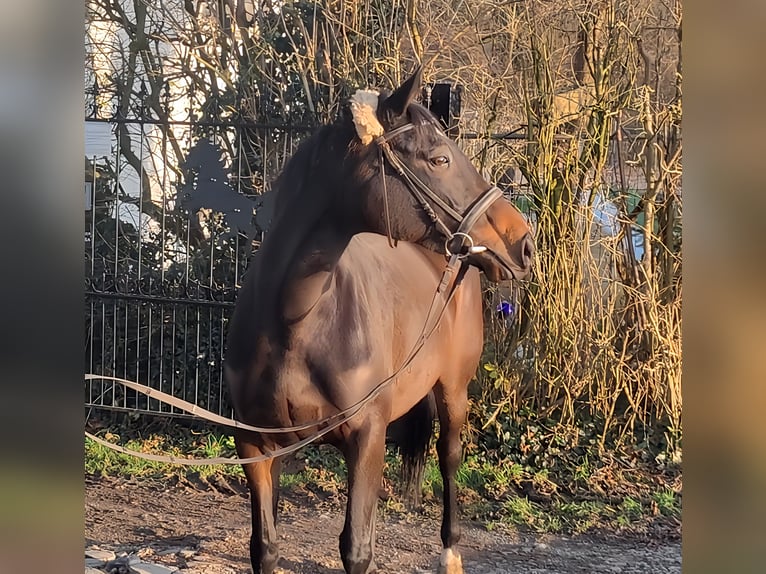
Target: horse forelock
{"points": [[419, 114], [426, 133]]}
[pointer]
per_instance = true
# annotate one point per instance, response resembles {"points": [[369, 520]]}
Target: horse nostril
{"points": [[527, 251]]}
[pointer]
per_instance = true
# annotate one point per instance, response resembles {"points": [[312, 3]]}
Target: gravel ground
{"points": [[180, 527]]}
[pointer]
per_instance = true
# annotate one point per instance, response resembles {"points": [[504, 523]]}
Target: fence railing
{"points": [[160, 283]]}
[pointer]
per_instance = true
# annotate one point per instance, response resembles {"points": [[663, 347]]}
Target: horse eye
{"points": [[440, 160]]}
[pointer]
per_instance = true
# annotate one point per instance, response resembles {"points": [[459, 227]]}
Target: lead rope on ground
{"points": [[334, 420]]}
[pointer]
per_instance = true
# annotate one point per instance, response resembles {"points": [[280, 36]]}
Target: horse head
{"points": [[414, 184]]}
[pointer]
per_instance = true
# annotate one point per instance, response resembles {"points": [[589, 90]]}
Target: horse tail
{"points": [[412, 434]]}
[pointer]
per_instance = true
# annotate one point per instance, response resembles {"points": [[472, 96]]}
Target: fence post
{"points": [[444, 100]]}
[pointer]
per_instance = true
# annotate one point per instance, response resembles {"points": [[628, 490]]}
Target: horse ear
{"points": [[395, 105]]}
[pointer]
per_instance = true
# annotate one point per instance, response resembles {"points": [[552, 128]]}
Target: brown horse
{"points": [[349, 290]]}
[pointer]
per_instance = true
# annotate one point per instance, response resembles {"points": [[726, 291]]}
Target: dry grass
{"points": [[603, 339]]}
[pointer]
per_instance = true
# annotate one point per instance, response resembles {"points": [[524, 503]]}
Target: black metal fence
{"points": [[160, 282]]}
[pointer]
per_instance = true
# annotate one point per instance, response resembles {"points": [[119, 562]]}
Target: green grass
{"points": [[494, 493], [575, 517], [668, 502], [630, 509], [100, 460], [520, 511], [324, 469]]}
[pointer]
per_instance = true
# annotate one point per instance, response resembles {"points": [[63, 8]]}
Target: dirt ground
{"points": [[155, 521]]}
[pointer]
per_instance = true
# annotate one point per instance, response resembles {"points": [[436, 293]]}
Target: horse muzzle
{"points": [[516, 264]]}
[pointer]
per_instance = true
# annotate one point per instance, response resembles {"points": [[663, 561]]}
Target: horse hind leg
{"points": [[451, 405], [364, 451], [263, 483], [412, 434]]}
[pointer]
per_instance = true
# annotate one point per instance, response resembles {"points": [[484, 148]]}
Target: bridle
{"points": [[458, 243]]}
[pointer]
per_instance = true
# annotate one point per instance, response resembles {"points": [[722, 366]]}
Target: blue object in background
{"points": [[506, 309]]}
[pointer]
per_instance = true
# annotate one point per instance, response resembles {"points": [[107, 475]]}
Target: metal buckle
{"points": [[470, 249]]}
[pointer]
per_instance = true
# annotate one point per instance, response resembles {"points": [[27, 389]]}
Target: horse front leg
{"points": [[364, 451], [451, 404], [263, 483]]}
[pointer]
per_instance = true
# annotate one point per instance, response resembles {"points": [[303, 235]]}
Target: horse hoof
{"points": [[450, 562]]}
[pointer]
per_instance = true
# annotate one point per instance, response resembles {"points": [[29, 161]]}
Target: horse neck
{"points": [[300, 255]]}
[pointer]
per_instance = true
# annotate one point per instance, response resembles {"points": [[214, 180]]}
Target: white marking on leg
{"points": [[450, 562]]}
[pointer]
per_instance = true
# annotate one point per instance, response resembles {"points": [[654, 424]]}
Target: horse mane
{"points": [[295, 177], [295, 182], [304, 192], [420, 137]]}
